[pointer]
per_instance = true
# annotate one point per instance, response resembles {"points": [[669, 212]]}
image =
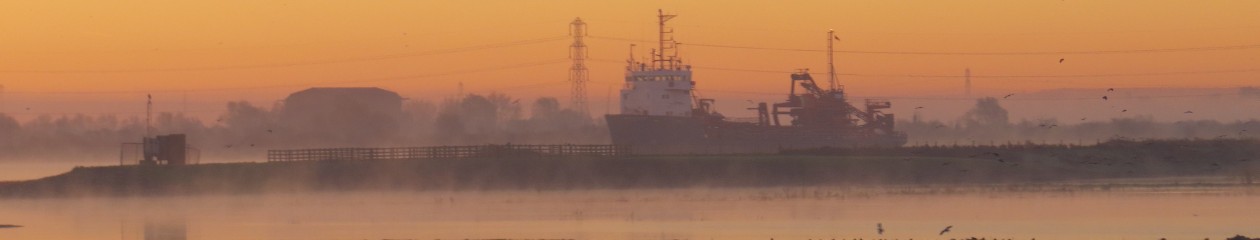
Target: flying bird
{"points": [[1060, 60], [1124, 110], [1009, 95], [1111, 89], [918, 107], [1104, 98], [1082, 119], [9, 226], [943, 231], [879, 227], [1188, 112]]}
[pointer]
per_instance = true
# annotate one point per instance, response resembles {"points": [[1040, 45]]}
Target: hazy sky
{"points": [[71, 56]]}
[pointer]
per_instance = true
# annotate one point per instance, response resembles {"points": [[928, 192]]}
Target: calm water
{"points": [[26, 170], [795, 213]]}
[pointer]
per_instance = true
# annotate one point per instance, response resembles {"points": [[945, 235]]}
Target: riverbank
{"points": [[639, 172]]}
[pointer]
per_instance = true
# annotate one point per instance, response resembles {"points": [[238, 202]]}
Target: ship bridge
{"points": [[661, 86]]}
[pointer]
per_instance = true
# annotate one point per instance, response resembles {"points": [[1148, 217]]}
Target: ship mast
{"points": [[660, 84], [666, 56]]}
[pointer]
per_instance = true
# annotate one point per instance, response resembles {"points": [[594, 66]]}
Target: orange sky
{"points": [[113, 52]]}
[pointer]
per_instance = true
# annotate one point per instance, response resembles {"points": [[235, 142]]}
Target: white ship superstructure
{"points": [[661, 87]]}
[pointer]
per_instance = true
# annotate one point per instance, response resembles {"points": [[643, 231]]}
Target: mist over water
{"points": [[762, 213]]}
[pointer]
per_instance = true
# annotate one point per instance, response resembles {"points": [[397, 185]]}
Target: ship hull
{"points": [[694, 135]]}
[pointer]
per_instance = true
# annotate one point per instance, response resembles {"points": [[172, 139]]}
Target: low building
{"points": [[344, 117]]}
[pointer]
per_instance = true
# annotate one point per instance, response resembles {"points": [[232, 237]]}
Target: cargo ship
{"points": [[661, 115]]}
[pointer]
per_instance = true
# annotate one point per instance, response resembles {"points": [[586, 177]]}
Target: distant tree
{"points": [[418, 120], [242, 114], [544, 107], [8, 125], [448, 127], [548, 123], [506, 108], [247, 124], [480, 117], [177, 123], [986, 113], [9, 128]]}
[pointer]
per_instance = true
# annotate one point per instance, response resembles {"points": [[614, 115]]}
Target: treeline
{"points": [[244, 130], [987, 123]]}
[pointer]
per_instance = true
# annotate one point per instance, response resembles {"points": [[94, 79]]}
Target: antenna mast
{"points": [[831, 34], [666, 57], [577, 73]]}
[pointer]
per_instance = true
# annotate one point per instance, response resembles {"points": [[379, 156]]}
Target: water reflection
{"points": [[748, 214], [166, 230], [155, 228]]}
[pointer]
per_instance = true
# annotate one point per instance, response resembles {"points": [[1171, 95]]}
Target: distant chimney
{"points": [[967, 85]]}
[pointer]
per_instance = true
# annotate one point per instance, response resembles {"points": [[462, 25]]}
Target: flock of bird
{"points": [[1104, 98], [879, 228], [251, 144]]}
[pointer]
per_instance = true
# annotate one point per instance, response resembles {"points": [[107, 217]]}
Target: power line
{"points": [[382, 79], [1008, 76], [406, 34], [731, 28], [979, 76], [1123, 51], [530, 86], [1006, 99], [302, 63], [37, 113]]}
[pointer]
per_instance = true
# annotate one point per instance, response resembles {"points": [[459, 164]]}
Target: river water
{"points": [[765, 213]]}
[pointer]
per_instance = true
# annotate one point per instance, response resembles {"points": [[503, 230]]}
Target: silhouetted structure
{"points": [[171, 149], [342, 116], [661, 115], [578, 73]]}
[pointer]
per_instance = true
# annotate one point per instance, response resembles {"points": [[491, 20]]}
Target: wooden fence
{"points": [[446, 152]]}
